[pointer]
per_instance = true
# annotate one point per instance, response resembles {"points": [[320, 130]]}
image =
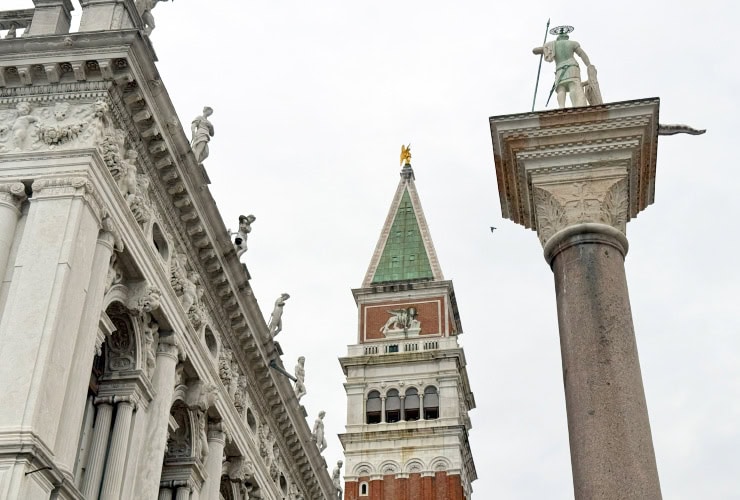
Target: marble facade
{"points": [[121, 293]]}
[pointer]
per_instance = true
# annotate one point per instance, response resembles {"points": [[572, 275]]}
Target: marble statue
{"points": [[567, 72], [202, 130], [127, 180], [318, 431], [22, 124], [276, 318], [336, 478], [300, 375], [145, 8], [245, 227]]}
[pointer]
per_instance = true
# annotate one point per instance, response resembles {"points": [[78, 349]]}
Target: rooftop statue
{"points": [[145, 8], [276, 318], [202, 130], [318, 431], [567, 72], [300, 375], [245, 227], [405, 155]]}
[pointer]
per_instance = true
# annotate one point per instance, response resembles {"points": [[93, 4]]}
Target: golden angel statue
{"points": [[405, 154]]}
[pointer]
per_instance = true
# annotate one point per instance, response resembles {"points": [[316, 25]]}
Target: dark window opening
{"points": [[431, 403], [373, 407], [392, 406], [411, 405]]}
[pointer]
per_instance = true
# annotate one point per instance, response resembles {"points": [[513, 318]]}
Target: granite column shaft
{"points": [[610, 441]]}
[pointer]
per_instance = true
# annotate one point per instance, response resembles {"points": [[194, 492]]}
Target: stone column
{"points": [[382, 409], [577, 176], [12, 195], [118, 449], [96, 458], [214, 462], [163, 381], [72, 412], [421, 404], [183, 493], [165, 494], [403, 406], [52, 267]]}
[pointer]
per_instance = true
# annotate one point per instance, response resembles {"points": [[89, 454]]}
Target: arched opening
{"points": [[160, 242], [411, 404], [431, 403], [251, 422], [373, 407], [363, 490], [283, 484], [392, 406], [211, 342]]}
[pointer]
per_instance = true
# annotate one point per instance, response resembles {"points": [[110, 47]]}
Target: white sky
{"points": [[312, 101]]}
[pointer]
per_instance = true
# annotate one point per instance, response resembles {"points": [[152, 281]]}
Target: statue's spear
{"points": [[539, 68]]}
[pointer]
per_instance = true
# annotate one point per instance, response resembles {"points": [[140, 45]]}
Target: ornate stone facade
{"points": [[155, 354]]}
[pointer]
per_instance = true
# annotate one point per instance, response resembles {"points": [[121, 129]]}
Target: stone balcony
{"points": [[405, 346]]}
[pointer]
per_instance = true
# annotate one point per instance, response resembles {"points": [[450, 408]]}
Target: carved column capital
{"points": [[12, 194], [168, 346], [559, 205], [67, 187]]}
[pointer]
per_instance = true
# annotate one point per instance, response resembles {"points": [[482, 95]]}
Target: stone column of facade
{"points": [[165, 494], [183, 493], [421, 405], [12, 194], [382, 409], [118, 449], [52, 267], [163, 380], [577, 176], [214, 462], [99, 448], [79, 374]]}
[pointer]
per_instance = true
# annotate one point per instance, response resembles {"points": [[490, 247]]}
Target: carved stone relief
{"points": [[180, 444], [30, 128], [186, 285], [121, 344]]}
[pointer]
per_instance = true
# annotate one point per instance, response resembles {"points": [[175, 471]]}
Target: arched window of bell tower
{"points": [[411, 404], [392, 406], [373, 408], [431, 403]]}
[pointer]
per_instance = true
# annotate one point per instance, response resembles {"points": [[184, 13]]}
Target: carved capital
{"points": [[12, 194], [559, 205], [67, 187], [168, 346]]}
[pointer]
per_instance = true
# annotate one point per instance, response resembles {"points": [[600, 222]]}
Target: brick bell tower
{"points": [[408, 394]]}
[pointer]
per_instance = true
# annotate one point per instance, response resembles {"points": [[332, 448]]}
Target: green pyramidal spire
{"points": [[405, 251]]}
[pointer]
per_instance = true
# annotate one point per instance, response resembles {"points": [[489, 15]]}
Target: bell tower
{"points": [[408, 394]]}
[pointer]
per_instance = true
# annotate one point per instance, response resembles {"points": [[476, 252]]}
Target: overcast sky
{"points": [[313, 100]]}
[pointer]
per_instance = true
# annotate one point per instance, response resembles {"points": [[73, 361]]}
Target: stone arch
{"points": [[389, 467], [414, 465], [117, 293], [363, 469], [440, 464]]}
